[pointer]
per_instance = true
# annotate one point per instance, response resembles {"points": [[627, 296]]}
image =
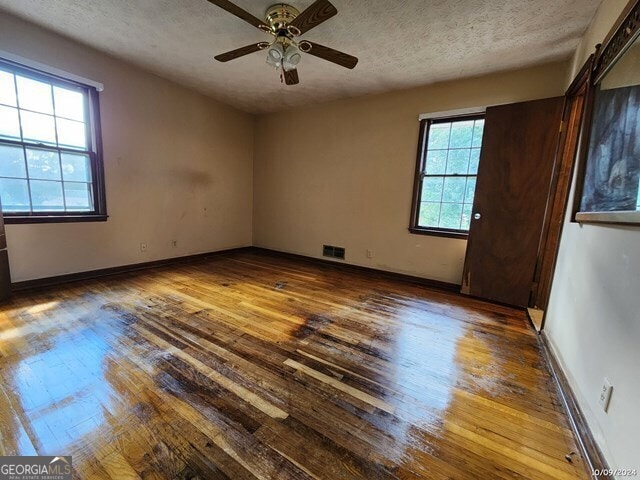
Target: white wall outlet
{"points": [[605, 394], [174, 243], [369, 253], [143, 247]]}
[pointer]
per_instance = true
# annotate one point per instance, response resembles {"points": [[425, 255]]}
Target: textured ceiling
{"points": [[400, 43]]}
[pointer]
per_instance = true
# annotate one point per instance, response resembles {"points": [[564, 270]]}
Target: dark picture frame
{"points": [[610, 182]]}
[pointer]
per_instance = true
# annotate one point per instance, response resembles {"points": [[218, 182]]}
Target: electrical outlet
{"points": [[174, 243], [369, 254], [605, 394], [143, 247]]}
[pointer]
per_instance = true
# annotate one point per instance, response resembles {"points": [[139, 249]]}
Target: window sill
{"points": [[19, 219], [439, 232]]}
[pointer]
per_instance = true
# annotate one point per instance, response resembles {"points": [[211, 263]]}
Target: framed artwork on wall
{"points": [[610, 190]]}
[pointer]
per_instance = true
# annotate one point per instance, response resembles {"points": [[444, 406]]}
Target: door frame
{"points": [[578, 104]]}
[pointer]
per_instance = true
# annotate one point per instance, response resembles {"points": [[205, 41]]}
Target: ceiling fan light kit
{"points": [[275, 53], [285, 23], [292, 57]]}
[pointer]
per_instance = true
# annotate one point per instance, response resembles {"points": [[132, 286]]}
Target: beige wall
{"points": [[593, 319], [178, 166], [342, 173]]}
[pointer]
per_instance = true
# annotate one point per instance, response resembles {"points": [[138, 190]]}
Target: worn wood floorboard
{"points": [[253, 366]]}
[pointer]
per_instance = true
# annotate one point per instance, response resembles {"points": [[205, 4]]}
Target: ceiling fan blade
{"points": [[318, 12], [238, 52], [291, 77], [238, 12], [335, 56]]}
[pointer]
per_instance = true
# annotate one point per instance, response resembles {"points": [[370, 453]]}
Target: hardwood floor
{"points": [[252, 366]]}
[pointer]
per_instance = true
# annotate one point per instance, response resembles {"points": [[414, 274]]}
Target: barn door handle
{"points": [[476, 216]]}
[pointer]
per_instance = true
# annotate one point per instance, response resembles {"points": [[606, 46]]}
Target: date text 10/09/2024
{"points": [[616, 472]]}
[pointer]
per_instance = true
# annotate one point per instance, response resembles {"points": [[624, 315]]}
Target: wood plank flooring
{"points": [[254, 366]]}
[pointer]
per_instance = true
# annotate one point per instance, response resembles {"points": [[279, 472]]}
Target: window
{"points": [[446, 170], [50, 151]]}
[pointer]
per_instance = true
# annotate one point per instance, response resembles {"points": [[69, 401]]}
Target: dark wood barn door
{"points": [[518, 153]]}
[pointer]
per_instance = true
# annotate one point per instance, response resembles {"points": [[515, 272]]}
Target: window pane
{"points": [[12, 162], [69, 103], [454, 189], [450, 215], [458, 162], [432, 189], [436, 162], [15, 195], [448, 183], [76, 167], [9, 123], [71, 134], [478, 130], [470, 191], [78, 196], [475, 160], [7, 89], [46, 196], [43, 164], [38, 128], [34, 95], [41, 115], [461, 134], [429, 215], [438, 136], [466, 216]]}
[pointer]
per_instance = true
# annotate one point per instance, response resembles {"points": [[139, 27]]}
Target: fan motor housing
{"points": [[280, 15]]}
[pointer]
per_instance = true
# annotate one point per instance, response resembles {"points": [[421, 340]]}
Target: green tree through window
{"points": [[446, 174]]}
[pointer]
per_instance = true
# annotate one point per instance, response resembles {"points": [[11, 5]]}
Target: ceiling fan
{"points": [[285, 23]]}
